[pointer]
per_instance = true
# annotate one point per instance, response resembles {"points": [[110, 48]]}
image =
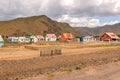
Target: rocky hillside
{"points": [[35, 25], [98, 30]]}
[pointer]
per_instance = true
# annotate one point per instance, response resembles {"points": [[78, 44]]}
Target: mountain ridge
{"points": [[38, 25], [98, 30]]}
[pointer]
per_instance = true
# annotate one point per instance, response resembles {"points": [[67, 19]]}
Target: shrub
{"points": [[78, 68]]}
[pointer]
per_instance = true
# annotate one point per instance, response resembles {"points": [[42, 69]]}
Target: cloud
{"points": [[110, 23], [79, 11], [84, 21]]}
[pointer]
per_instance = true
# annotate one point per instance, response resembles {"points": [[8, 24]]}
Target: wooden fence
{"points": [[46, 51]]}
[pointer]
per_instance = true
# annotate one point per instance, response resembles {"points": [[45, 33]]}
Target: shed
{"points": [[108, 37], [50, 37], [1, 41]]}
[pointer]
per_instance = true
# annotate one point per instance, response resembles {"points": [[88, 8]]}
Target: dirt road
{"points": [[109, 71]]}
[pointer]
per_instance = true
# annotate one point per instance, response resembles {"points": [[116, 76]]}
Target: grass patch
{"points": [[78, 68], [68, 70]]}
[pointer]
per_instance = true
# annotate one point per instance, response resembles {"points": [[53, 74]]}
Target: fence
{"points": [[46, 51]]}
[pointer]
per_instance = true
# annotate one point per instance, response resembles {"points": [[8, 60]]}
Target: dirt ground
{"points": [[110, 71], [20, 63], [22, 53]]}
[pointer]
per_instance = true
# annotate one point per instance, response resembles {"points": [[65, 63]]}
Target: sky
{"points": [[78, 13]]}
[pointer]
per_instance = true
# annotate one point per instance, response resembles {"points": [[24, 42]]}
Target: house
{"points": [[23, 39], [14, 39], [33, 38], [108, 37], [88, 39], [50, 37], [1, 41], [39, 38], [66, 37], [18, 39]]}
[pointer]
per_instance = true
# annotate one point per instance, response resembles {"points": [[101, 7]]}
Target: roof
{"points": [[88, 37], [40, 37], [68, 35], [1, 39], [112, 35], [51, 35]]}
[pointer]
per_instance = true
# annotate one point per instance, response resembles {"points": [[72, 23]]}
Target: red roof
{"points": [[111, 35], [51, 35], [40, 37], [68, 35]]}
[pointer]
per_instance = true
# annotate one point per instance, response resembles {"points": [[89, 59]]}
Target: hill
{"points": [[38, 25], [98, 30]]}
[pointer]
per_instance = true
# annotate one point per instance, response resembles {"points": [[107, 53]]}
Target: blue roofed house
{"points": [[1, 41], [88, 39]]}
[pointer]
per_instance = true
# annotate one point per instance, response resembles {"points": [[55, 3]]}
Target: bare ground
{"points": [[110, 71], [20, 66]]}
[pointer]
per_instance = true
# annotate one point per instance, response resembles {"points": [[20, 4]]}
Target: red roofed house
{"points": [[50, 37], [108, 37], [66, 37], [40, 38]]}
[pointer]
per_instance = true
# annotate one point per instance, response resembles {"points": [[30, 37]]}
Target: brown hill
{"points": [[98, 30], [35, 25]]}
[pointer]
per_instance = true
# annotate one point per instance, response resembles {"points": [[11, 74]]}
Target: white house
{"points": [[1, 41], [23, 39], [50, 37], [39, 38], [19, 39], [33, 38], [14, 39]]}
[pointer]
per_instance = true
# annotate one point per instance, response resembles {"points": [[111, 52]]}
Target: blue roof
{"points": [[88, 37]]}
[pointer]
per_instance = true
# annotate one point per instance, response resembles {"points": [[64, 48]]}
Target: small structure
{"points": [[1, 41], [14, 39], [18, 39], [40, 38], [50, 37], [23, 39], [108, 37], [66, 37], [88, 39], [33, 38]]}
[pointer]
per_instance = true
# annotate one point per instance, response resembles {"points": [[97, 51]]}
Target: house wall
{"points": [[1, 43], [14, 39], [50, 39], [40, 39], [105, 38], [88, 39], [33, 38]]}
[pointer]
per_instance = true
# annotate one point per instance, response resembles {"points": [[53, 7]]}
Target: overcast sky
{"points": [[89, 13]]}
